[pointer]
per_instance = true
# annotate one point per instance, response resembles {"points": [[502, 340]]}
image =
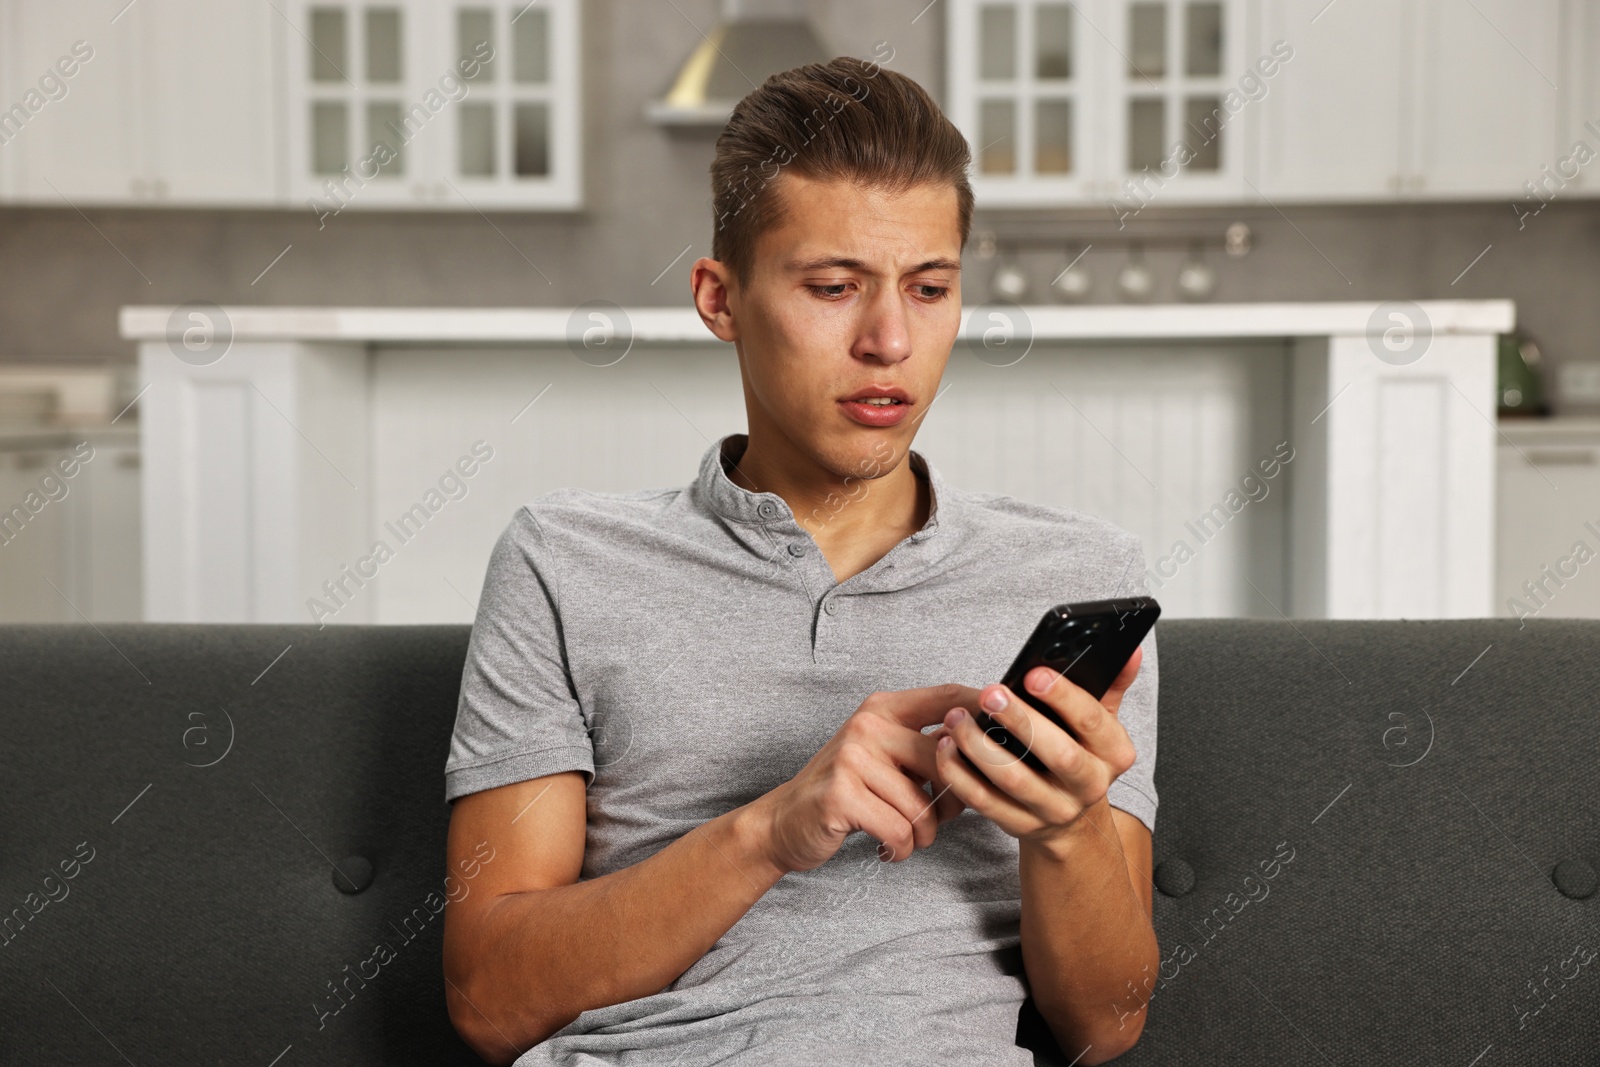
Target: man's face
{"points": [[855, 294]]}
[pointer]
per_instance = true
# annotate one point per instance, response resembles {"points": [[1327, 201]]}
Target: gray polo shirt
{"points": [[688, 650]]}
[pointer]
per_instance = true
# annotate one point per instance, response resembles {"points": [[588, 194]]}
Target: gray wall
{"points": [[647, 199]]}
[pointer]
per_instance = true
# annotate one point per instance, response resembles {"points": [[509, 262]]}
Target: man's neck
{"points": [[855, 521]]}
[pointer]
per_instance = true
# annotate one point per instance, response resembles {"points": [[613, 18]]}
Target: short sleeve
{"points": [[1134, 791], [518, 716]]}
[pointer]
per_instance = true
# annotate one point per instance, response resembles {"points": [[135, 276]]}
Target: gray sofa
{"points": [[1377, 844]]}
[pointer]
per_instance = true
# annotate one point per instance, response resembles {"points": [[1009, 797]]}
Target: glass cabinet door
{"points": [[513, 135], [1017, 76], [352, 84], [1179, 91], [429, 104]]}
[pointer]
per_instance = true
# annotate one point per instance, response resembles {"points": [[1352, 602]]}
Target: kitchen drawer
{"points": [[1548, 512]]}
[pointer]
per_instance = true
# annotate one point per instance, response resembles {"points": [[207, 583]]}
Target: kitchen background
{"points": [[1395, 150]]}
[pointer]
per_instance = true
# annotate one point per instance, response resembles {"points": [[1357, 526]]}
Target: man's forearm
{"points": [[545, 956], [1085, 936]]}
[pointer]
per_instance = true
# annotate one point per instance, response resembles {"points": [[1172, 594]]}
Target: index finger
{"points": [[1124, 680], [919, 708]]}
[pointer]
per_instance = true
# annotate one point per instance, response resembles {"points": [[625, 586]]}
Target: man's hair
{"points": [[847, 119]]}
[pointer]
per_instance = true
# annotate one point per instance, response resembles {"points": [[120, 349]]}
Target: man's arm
{"points": [[1088, 945], [529, 947], [1086, 897]]}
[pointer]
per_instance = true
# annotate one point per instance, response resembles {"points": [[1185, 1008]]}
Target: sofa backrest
{"points": [[1358, 827]]}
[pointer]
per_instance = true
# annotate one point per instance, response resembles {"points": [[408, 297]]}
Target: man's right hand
{"points": [[869, 776]]}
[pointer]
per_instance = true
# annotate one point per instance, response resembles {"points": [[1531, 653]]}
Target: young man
{"points": [[680, 705]]}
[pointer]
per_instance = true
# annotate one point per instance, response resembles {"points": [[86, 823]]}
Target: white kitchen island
{"points": [[357, 464]]}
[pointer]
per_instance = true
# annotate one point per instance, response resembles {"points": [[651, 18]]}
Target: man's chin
{"points": [[865, 455]]}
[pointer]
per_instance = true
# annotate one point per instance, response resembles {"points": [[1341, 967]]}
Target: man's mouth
{"points": [[877, 405], [879, 395]]}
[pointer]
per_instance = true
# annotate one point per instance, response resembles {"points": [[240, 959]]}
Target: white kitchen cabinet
{"points": [[1293, 100], [1332, 125], [1486, 85], [515, 140], [1388, 509], [1420, 99], [1549, 479], [1175, 112], [211, 101], [1122, 101], [1579, 116], [413, 103], [70, 125], [351, 69], [1021, 89], [265, 103], [70, 546], [170, 102]]}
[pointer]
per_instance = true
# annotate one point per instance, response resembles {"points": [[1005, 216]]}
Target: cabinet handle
{"points": [[1550, 457]]}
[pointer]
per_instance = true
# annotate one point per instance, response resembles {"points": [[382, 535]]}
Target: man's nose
{"points": [[884, 332]]}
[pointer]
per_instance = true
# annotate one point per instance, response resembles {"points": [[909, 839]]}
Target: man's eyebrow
{"points": [[847, 263]]}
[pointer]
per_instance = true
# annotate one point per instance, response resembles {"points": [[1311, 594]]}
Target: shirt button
{"points": [[797, 549], [830, 606], [767, 509]]}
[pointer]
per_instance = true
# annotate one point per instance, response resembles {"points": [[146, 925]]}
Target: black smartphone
{"points": [[1089, 643]]}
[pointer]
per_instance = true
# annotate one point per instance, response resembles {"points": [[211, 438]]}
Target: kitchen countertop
{"points": [[681, 325]]}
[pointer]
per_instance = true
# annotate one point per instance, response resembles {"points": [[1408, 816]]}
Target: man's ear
{"points": [[711, 283]]}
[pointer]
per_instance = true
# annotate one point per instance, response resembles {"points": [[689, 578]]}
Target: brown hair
{"points": [[847, 119]]}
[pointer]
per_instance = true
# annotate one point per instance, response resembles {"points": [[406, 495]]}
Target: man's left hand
{"points": [[1082, 764]]}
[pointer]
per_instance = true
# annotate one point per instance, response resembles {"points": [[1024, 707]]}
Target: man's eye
{"points": [[829, 290], [932, 292]]}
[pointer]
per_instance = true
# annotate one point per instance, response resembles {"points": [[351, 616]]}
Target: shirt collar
{"points": [[740, 505]]}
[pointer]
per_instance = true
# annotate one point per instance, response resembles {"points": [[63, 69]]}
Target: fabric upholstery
{"points": [[1423, 778]]}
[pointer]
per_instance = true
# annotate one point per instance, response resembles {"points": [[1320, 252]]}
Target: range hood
{"points": [[755, 39]]}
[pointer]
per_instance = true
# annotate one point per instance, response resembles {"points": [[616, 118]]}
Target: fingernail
{"points": [[995, 701], [954, 716], [944, 743]]}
